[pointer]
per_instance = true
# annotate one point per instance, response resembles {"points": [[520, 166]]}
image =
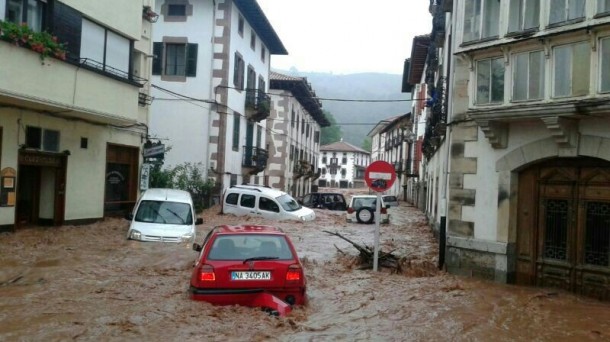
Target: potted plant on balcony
{"points": [[149, 14], [44, 43]]}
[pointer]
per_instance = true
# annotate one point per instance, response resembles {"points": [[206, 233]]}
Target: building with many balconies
{"points": [[73, 110], [343, 165], [392, 141], [211, 76], [294, 134]]}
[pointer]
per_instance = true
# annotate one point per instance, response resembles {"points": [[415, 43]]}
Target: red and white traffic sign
{"points": [[379, 176]]}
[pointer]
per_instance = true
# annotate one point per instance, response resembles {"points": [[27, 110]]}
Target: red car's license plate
{"points": [[251, 275]]}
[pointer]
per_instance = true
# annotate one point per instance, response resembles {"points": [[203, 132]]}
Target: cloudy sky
{"points": [[346, 36]]}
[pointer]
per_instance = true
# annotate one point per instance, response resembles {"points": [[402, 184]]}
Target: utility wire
{"points": [[321, 98]]}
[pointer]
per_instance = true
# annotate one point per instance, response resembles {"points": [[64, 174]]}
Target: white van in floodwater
{"points": [[262, 201], [165, 215]]}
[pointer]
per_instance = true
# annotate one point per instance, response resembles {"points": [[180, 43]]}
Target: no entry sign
{"points": [[379, 176]]}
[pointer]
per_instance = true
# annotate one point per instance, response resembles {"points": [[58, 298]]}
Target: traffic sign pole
{"points": [[377, 219], [379, 176]]}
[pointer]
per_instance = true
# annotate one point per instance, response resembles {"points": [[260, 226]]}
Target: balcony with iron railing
{"points": [[258, 105], [254, 159]]}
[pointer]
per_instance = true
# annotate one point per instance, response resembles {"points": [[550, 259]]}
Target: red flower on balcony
{"points": [[41, 42]]}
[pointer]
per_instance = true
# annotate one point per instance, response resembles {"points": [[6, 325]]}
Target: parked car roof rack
{"points": [[247, 187]]}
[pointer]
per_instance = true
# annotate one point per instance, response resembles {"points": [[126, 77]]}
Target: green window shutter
{"points": [[236, 71], [236, 122], [191, 60], [157, 58]]}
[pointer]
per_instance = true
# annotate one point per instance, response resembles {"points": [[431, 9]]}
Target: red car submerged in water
{"points": [[249, 265]]}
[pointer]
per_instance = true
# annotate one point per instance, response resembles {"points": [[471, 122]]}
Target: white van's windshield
{"points": [[288, 203], [164, 212]]}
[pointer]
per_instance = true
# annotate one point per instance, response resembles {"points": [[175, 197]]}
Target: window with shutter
{"points": [[157, 58], [238, 72], [236, 122], [191, 60]]}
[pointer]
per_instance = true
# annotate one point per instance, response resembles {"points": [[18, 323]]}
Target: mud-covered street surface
{"points": [[90, 283]]}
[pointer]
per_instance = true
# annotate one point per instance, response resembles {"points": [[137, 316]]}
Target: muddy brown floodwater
{"points": [[89, 283]]}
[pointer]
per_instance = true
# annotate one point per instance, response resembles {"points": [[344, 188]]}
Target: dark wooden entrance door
{"points": [[28, 190], [41, 186], [563, 236]]}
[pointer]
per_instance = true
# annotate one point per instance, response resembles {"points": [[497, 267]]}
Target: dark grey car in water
{"points": [[325, 200]]}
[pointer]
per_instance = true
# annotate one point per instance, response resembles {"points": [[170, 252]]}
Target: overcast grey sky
{"points": [[346, 36]]}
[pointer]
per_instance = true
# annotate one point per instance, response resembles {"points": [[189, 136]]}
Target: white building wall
{"points": [[184, 125], [281, 167], [85, 167], [237, 98]]}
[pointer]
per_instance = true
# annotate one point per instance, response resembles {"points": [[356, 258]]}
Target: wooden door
{"points": [[557, 231], [563, 236]]}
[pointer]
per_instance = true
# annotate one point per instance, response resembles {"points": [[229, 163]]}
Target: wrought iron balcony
{"points": [[258, 105], [255, 159]]}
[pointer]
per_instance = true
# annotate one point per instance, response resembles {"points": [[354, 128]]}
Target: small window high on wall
{"points": [[42, 139]]}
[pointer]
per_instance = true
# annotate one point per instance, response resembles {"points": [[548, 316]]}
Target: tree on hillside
{"points": [[367, 144], [331, 133]]}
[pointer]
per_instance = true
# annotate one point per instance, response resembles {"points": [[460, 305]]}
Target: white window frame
{"points": [[516, 85], [604, 69], [569, 69], [489, 100], [479, 24], [603, 6], [569, 7], [520, 12]]}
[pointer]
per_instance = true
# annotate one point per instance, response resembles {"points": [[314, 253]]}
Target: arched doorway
{"points": [[563, 226]]}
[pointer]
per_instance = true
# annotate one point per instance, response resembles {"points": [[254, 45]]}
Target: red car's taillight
{"points": [[294, 273], [350, 210], [206, 273]]}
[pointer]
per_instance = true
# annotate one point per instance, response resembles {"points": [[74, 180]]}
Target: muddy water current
{"points": [[89, 283]]}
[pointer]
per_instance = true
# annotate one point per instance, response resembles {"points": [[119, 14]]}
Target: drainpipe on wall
{"points": [[443, 223]]}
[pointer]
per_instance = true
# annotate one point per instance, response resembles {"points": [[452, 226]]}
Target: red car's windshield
{"points": [[247, 246]]}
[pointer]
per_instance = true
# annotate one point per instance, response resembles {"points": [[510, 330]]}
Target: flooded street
{"points": [[90, 283]]}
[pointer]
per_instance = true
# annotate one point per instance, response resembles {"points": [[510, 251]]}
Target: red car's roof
{"points": [[226, 229]]}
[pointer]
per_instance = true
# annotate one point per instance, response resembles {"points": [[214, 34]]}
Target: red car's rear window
{"points": [[245, 246]]}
